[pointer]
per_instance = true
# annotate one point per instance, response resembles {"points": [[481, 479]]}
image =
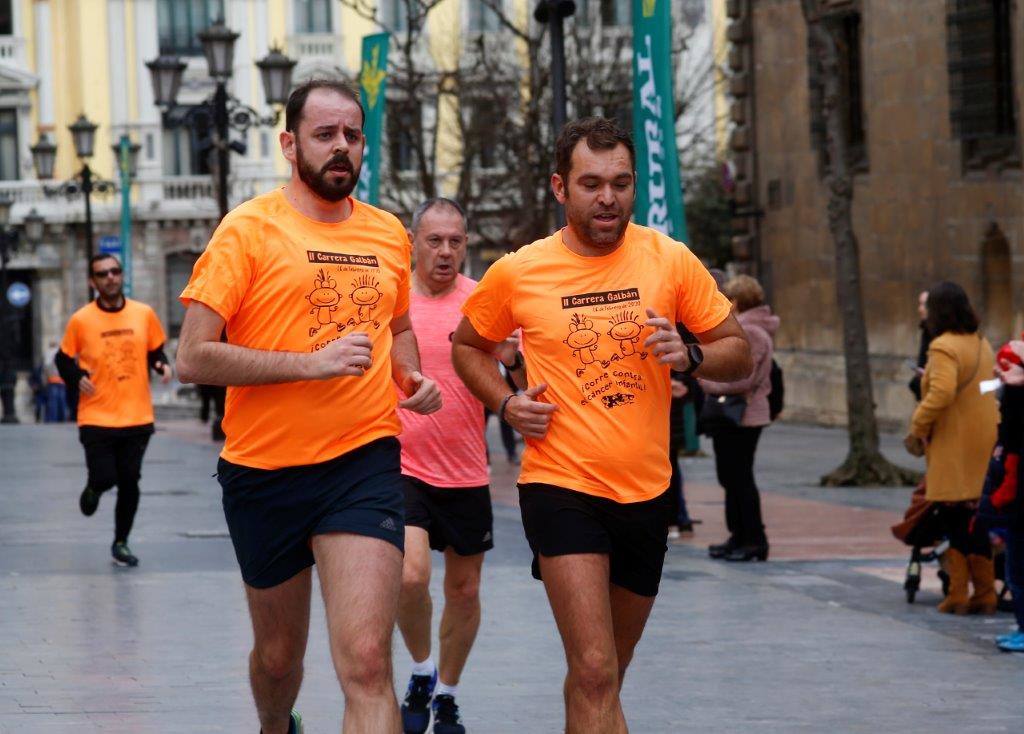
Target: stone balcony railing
{"points": [[316, 46], [12, 50], [173, 191]]}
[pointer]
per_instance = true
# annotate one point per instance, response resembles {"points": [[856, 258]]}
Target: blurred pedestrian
{"points": [[38, 387], [685, 390], [1003, 503], [954, 426], [109, 347], [54, 390], [735, 443], [922, 347]]}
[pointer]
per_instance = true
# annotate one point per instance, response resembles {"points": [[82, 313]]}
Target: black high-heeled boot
{"points": [[748, 553], [720, 550]]}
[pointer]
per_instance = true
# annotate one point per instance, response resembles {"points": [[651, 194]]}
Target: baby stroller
{"points": [[922, 531], [918, 556]]}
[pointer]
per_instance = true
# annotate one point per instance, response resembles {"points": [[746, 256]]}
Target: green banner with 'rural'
{"points": [[373, 78], [659, 199]]}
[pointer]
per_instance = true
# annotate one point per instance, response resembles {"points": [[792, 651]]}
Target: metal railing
{"points": [[316, 46]]}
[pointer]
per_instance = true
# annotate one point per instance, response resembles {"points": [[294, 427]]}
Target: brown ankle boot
{"points": [[983, 577], [955, 565]]}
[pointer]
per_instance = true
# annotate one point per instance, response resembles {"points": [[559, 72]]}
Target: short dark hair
{"points": [[102, 256], [426, 206], [601, 133], [949, 309], [297, 99]]}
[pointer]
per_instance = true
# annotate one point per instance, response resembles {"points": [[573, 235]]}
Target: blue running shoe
{"points": [[1007, 636], [1014, 644], [416, 706], [446, 715]]}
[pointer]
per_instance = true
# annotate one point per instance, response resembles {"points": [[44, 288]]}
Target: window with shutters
{"points": [[313, 16], [851, 96], [401, 129], [179, 22], [982, 104], [9, 145]]}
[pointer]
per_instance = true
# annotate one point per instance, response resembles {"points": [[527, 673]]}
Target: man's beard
{"points": [[594, 237], [317, 180]]}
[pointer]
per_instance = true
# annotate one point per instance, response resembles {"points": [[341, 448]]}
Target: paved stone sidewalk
{"points": [[823, 642]]}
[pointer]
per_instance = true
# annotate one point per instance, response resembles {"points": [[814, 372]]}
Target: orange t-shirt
{"points": [[287, 283], [582, 323], [112, 347]]}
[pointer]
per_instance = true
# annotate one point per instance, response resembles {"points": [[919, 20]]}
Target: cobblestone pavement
{"points": [[819, 639]]}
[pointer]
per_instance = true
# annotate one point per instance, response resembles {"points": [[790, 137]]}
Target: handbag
{"points": [[921, 525], [721, 411]]}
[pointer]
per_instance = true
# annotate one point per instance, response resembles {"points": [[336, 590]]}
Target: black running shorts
{"points": [[561, 522], [272, 514], [454, 517]]}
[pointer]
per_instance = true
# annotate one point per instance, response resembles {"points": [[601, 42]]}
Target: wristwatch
{"points": [[696, 357], [517, 363]]}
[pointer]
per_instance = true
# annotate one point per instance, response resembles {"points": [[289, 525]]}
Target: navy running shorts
{"points": [[273, 513]]}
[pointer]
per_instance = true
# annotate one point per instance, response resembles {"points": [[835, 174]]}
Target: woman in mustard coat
{"points": [[956, 426]]}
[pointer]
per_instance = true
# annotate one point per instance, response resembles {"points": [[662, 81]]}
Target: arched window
{"points": [[996, 287]]}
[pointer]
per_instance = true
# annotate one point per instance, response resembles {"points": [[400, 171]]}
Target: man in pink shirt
{"points": [[444, 459]]}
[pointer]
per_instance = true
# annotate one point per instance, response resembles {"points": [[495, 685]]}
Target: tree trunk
{"points": [[864, 463]]}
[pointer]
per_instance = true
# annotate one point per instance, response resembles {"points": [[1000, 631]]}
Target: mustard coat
{"points": [[961, 426]]}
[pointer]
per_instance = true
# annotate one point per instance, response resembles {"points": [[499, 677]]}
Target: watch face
{"points": [[696, 355]]}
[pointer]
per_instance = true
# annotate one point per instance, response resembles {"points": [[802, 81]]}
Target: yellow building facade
{"points": [[60, 59]]}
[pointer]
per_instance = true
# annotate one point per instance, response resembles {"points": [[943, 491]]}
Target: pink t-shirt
{"points": [[446, 448]]}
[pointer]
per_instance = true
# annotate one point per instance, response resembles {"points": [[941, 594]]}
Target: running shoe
{"points": [[446, 715], [123, 555], [1008, 635], [294, 723], [416, 706], [88, 501], [1014, 644]]}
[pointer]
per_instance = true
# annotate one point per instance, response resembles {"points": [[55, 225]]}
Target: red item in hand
{"points": [[1006, 493], [1007, 357]]}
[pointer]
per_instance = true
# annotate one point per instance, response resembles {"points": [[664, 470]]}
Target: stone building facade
{"points": [[933, 93]]}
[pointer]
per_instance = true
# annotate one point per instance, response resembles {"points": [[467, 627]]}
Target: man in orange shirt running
{"points": [[597, 303], [105, 352], [312, 287]]}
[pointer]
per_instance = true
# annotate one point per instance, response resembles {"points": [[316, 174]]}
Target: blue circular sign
{"points": [[18, 294]]}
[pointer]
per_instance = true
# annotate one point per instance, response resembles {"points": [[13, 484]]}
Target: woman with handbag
{"points": [[954, 426], [733, 415]]}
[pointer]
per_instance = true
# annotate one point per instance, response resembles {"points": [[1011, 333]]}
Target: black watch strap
{"points": [[696, 358]]}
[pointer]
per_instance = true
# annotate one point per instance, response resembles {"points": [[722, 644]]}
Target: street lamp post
{"points": [[85, 182], [9, 239], [554, 12], [221, 112]]}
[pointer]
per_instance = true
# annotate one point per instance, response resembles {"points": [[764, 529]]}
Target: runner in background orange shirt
{"points": [[597, 303], [105, 351], [313, 290]]}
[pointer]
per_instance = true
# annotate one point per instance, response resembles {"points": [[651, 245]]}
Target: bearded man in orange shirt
{"points": [[597, 303], [312, 287]]}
